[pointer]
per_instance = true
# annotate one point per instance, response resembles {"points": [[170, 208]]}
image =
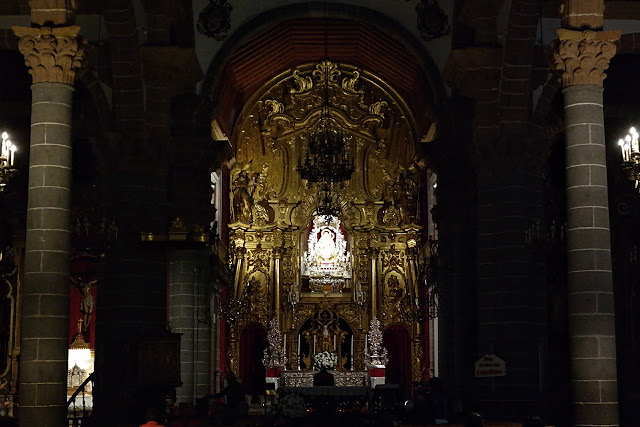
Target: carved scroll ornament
{"points": [[52, 54], [583, 56]]}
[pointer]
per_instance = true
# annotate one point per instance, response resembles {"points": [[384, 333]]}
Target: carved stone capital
{"points": [[582, 56], [53, 55]]}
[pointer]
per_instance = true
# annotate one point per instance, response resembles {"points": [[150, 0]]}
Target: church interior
{"points": [[195, 191]]}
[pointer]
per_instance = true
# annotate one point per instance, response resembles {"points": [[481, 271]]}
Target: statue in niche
{"points": [[326, 246], [254, 301], [242, 198], [325, 333], [403, 193], [394, 288], [87, 302], [327, 262]]}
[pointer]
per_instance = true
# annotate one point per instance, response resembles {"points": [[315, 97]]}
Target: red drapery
{"points": [[397, 341], [253, 341]]}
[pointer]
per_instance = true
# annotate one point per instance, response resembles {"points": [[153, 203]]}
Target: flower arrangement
{"points": [[292, 406], [325, 360]]}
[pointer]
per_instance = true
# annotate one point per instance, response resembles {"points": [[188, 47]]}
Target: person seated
{"points": [[323, 378], [236, 405]]}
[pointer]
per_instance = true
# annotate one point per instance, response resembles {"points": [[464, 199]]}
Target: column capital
{"points": [[582, 56], [53, 55]]}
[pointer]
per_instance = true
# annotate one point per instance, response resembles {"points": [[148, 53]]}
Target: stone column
{"points": [[188, 298], [53, 55], [582, 57]]}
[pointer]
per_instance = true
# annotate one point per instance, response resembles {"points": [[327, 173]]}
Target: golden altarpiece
{"points": [[325, 278]]}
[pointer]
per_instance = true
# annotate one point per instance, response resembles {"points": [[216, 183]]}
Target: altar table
{"points": [[341, 378]]}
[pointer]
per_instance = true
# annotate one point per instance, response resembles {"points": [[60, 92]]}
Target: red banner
{"points": [[376, 372]]}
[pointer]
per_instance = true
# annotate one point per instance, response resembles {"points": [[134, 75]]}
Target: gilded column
{"points": [[374, 283], [277, 255], [53, 56], [582, 57]]}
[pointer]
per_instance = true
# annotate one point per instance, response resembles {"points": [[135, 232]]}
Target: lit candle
{"points": [[352, 353]]}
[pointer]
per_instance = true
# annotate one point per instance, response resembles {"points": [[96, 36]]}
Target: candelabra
{"points": [[374, 353], [630, 151], [326, 163], [7, 158], [274, 356]]}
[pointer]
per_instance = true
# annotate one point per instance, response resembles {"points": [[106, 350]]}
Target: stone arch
{"points": [[366, 38], [99, 98]]}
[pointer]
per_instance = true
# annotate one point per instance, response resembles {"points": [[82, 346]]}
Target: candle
{"points": [[334, 344], [285, 344], [314, 344], [352, 353]]}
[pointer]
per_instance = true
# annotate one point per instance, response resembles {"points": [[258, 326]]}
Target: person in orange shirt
{"points": [[154, 417]]}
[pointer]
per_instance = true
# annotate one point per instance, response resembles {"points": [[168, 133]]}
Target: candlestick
{"points": [[365, 343], [352, 354]]}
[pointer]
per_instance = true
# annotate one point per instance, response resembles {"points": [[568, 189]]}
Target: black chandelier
{"points": [[326, 162]]}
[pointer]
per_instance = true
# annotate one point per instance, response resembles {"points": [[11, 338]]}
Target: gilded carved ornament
{"points": [[53, 55], [272, 131], [303, 83], [582, 56], [349, 83]]}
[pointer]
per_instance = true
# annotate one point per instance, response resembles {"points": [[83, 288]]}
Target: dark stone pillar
{"points": [[589, 280], [189, 295], [456, 218], [582, 58], [45, 315], [511, 291]]}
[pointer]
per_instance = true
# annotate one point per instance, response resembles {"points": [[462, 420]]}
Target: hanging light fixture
{"points": [[7, 159], [630, 151], [326, 162]]}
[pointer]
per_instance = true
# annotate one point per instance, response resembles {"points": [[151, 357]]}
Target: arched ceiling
{"points": [[293, 42]]}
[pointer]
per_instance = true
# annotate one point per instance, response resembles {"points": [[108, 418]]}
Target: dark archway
{"points": [[253, 341], [397, 340], [285, 37]]}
